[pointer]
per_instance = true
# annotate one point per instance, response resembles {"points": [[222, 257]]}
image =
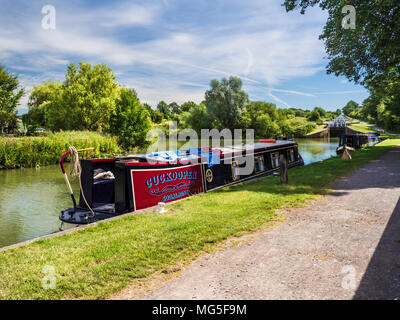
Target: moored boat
{"points": [[110, 187], [357, 141]]}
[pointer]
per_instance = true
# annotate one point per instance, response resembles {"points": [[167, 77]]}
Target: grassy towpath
{"points": [[98, 261]]}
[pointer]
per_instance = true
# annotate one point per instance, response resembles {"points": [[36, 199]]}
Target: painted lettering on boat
{"points": [[165, 185], [170, 176]]}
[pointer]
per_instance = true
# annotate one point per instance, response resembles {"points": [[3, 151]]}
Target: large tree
{"points": [[84, 101], [10, 95], [350, 107], [90, 94], [226, 101], [369, 51]]}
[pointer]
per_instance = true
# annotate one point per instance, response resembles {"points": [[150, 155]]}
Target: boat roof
{"points": [[209, 153]]}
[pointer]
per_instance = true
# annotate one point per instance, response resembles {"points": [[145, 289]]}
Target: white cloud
{"points": [[152, 92], [261, 44]]}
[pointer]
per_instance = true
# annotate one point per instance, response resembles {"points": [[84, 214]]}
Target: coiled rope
{"points": [[76, 171]]}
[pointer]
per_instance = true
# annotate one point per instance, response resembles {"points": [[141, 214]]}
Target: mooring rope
{"points": [[76, 171]]}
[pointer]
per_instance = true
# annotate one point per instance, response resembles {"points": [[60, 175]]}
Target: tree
{"points": [[41, 98], [368, 51], [314, 116], [321, 111], [300, 127], [84, 101], [262, 117], [225, 101], [174, 108], [350, 107], [164, 109], [156, 116], [196, 118], [264, 127], [368, 54], [187, 105], [10, 95], [89, 94], [130, 121]]}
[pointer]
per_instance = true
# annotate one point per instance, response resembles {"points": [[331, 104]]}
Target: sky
{"points": [[171, 49]]}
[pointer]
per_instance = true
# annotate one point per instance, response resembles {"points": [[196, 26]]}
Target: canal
{"points": [[31, 199]]}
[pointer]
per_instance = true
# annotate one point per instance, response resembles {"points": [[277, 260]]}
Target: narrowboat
{"points": [[110, 187], [357, 141]]}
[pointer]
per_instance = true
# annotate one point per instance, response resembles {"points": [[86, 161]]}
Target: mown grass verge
{"points": [[98, 261], [317, 129], [362, 127], [39, 151]]}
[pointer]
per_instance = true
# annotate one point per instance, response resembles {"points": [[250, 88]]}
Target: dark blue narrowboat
{"points": [[110, 187], [357, 141]]}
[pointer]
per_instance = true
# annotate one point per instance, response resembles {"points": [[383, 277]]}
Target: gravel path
{"points": [[346, 246]]}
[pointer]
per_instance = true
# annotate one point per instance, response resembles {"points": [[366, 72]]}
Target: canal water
{"points": [[314, 150], [31, 199]]}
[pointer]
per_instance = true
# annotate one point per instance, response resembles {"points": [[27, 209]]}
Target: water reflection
{"points": [[30, 200], [313, 150]]}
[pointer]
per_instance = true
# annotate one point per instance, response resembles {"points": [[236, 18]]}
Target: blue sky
{"points": [[170, 49]]}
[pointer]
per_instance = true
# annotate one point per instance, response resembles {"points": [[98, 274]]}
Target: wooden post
{"points": [[283, 169], [346, 154]]}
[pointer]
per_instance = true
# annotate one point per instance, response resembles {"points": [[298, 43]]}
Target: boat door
{"points": [[349, 141]]}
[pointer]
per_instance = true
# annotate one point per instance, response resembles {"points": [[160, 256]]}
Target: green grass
{"points": [[369, 128], [317, 129], [98, 261], [363, 127], [39, 151]]}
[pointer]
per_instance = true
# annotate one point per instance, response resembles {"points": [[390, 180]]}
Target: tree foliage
{"points": [[90, 99], [10, 95], [350, 107], [371, 49], [131, 121], [164, 109], [42, 98], [84, 101], [196, 118], [270, 122], [155, 115], [225, 101]]}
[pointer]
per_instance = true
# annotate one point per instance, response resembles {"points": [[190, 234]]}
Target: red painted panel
{"points": [[151, 186]]}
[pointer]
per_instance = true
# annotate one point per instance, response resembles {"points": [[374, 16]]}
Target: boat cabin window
{"points": [[291, 157], [235, 170], [275, 159], [259, 164]]}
